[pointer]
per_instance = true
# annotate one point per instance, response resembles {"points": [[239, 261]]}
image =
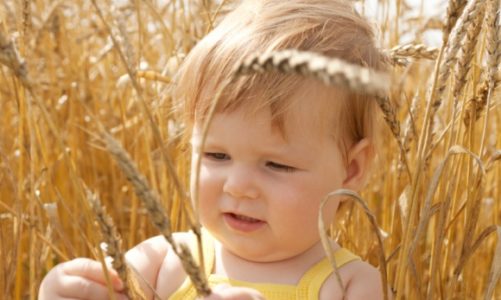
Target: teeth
{"points": [[245, 218]]}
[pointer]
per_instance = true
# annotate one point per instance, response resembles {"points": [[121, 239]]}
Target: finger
{"points": [[91, 270], [83, 288]]}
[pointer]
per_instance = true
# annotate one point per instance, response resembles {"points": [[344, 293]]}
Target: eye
{"points": [[280, 167], [216, 156]]}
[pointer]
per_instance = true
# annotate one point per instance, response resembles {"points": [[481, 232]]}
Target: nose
{"points": [[241, 182]]}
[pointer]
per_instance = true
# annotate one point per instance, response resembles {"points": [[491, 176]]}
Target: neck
{"points": [[285, 271]]}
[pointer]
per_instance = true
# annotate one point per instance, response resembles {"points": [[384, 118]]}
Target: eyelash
{"points": [[214, 155], [217, 156], [281, 167]]}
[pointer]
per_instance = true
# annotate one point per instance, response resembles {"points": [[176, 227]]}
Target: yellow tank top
{"points": [[308, 286]]}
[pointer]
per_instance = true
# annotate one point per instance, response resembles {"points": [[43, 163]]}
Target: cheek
{"points": [[296, 202], [300, 200], [209, 187]]}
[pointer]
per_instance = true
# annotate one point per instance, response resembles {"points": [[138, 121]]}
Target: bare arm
{"points": [[365, 284], [158, 269], [146, 259]]}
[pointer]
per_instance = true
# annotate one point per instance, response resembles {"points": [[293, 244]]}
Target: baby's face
{"points": [[259, 193]]}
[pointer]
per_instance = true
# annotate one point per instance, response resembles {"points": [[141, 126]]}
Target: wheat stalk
{"points": [[327, 245], [495, 271], [409, 132]]}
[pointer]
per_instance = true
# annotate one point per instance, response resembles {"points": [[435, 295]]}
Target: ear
{"points": [[360, 158]]}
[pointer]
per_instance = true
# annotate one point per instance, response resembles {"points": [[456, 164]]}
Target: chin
{"points": [[258, 255]]}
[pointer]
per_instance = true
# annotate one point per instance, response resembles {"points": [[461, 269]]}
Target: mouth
{"points": [[242, 223]]}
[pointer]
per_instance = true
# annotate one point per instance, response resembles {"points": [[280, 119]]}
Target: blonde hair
{"points": [[329, 27]]}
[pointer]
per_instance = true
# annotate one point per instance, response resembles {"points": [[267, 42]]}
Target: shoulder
{"points": [[153, 261], [360, 279], [154, 248], [365, 282], [171, 274]]}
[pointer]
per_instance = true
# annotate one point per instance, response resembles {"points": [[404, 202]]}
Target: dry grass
{"points": [[67, 66]]}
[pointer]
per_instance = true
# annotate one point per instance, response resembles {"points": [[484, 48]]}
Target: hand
{"points": [[80, 278], [227, 292]]}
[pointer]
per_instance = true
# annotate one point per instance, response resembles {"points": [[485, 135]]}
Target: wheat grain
{"points": [[453, 12], [417, 51]]}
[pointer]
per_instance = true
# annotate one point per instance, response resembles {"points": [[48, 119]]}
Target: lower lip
{"points": [[242, 225]]}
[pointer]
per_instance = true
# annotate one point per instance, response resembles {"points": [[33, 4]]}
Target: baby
{"points": [[277, 145]]}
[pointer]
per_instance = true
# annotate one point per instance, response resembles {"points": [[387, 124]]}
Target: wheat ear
{"points": [[467, 50], [493, 60], [494, 42], [114, 249], [475, 105], [158, 216], [10, 58], [454, 10], [331, 71], [470, 12]]}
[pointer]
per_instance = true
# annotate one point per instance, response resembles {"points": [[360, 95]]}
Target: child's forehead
{"points": [[307, 108], [310, 105]]}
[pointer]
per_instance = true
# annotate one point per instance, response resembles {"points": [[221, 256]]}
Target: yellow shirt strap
{"points": [[311, 282]]}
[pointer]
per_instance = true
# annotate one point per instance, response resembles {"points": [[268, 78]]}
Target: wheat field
{"points": [[83, 83]]}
